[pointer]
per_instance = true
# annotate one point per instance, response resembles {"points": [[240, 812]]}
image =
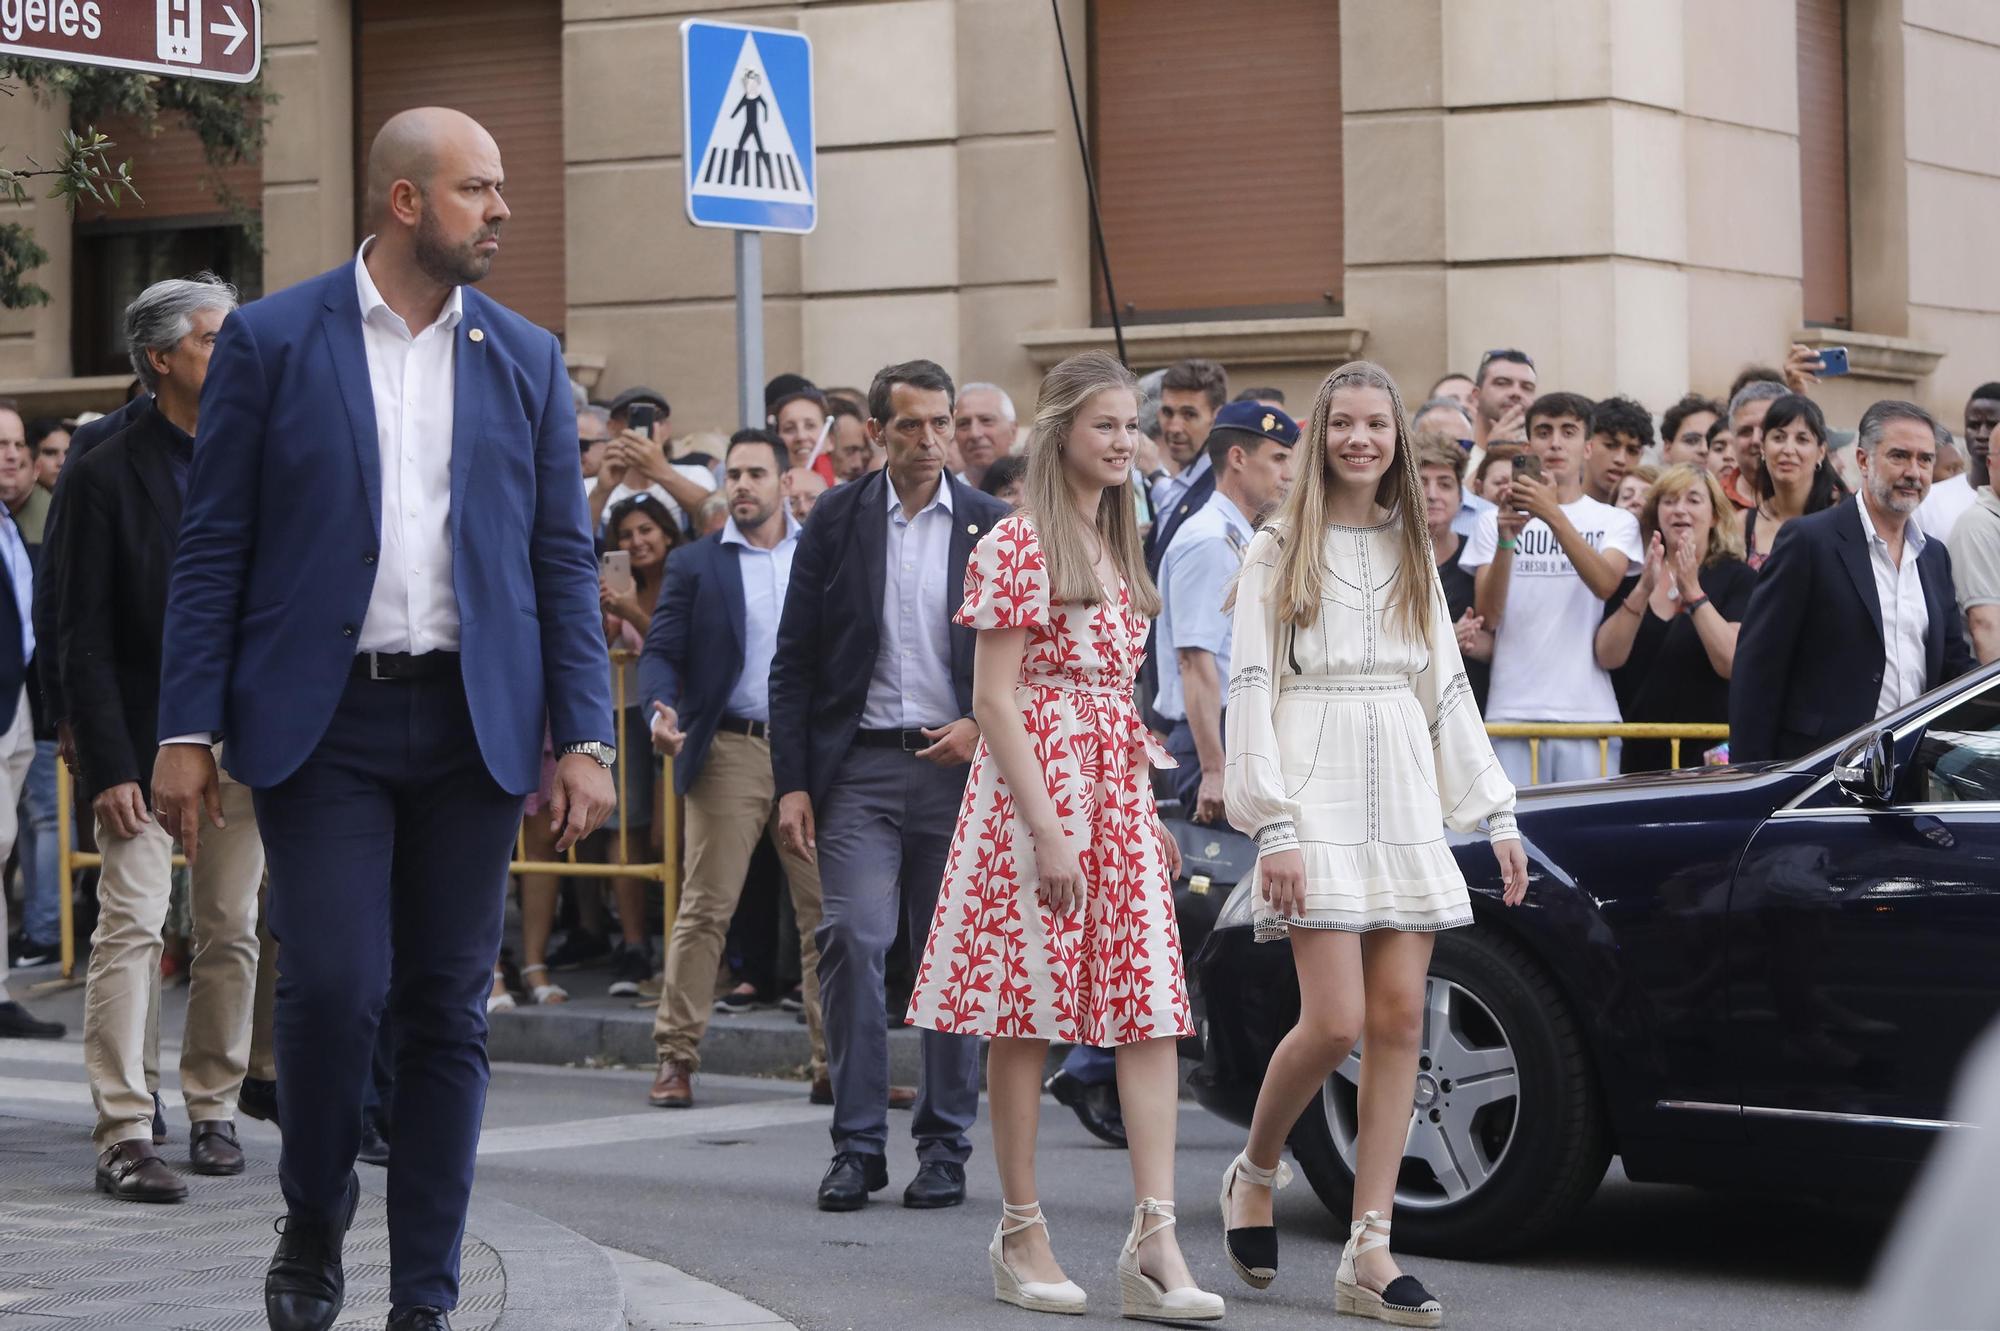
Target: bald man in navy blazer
{"points": [[385, 588]]}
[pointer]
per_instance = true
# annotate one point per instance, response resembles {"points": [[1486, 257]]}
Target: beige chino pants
{"points": [[728, 809], [125, 967]]}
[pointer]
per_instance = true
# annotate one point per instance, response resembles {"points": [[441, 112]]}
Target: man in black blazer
{"points": [[871, 737], [1854, 615], [121, 527]]}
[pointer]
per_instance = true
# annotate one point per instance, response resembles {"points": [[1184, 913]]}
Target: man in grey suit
{"points": [[871, 737]]}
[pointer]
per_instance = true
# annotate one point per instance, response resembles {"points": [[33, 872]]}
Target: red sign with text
{"points": [[196, 39]]}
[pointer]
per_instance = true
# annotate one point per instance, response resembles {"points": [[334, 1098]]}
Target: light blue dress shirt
{"points": [[15, 551], [1470, 506], [1195, 576], [1173, 489], [766, 575], [912, 685]]}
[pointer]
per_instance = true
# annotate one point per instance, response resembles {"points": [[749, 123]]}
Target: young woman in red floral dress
{"points": [[1056, 919]]}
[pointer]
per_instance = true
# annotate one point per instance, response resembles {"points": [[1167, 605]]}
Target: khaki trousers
{"points": [[125, 965], [263, 1058], [732, 804], [17, 750]]}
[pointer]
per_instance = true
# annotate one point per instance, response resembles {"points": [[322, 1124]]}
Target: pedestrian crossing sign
{"points": [[747, 105]]}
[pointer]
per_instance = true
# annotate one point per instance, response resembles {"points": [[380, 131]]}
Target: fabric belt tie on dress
{"points": [[1141, 739]]}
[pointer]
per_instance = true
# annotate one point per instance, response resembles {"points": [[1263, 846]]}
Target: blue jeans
{"points": [[41, 867]]}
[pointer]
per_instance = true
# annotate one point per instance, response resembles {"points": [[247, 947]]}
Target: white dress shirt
{"points": [[1906, 620], [766, 575], [413, 607], [912, 684]]}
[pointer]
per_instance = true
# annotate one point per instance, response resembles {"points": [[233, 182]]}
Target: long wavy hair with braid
{"points": [[1301, 522]]}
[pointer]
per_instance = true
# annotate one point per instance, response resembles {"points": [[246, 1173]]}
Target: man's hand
{"points": [[667, 733], [611, 471], [185, 785], [795, 826], [952, 745], [1537, 498], [1511, 428], [1208, 798], [581, 799], [645, 456], [1802, 367], [121, 810]]}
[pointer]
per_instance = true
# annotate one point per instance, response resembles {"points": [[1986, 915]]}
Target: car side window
{"points": [[1957, 758]]}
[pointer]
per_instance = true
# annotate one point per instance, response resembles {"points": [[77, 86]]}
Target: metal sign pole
{"points": [[750, 327]]}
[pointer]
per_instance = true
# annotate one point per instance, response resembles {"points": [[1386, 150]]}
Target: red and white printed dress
{"points": [[998, 963]]}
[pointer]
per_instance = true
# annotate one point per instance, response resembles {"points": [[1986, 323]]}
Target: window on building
{"points": [[188, 217], [1823, 234], [500, 62], [1216, 134]]}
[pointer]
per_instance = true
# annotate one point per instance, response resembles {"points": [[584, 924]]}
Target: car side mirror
{"points": [[1865, 769]]}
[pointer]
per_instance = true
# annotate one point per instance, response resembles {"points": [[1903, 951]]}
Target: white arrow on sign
{"points": [[234, 30]]}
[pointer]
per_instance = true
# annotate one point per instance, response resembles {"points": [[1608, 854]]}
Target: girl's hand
{"points": [[1281, 876], [1058, 875], [1513, 871], [1172, 849]]}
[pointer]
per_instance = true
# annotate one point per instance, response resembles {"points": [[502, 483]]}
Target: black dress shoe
{"points": [[419, 1319], [1096, 1107], [132, 1171], [938, 1183], [17, 1023], [212, 1147], [258, 1099], [159, 1120], [305, 1287], [374, 1146], [849, 1180]]}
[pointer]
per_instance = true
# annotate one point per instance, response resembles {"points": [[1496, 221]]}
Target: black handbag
{"points": [[1213, 860]]}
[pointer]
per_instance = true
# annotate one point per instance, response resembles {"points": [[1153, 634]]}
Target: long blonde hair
{"points": [[1301, 522], [1049, 504]]}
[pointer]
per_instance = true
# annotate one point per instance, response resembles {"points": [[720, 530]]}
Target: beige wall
{"points": [[1613, 186]]}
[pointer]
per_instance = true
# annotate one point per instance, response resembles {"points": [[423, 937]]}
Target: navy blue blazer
{"points": [[694, 647], [282, 526], [1164, 526], [1811, 653], [831, 629]]}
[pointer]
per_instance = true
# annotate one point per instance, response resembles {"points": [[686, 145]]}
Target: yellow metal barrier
{"points": [[665, 871], [1603, 732]]}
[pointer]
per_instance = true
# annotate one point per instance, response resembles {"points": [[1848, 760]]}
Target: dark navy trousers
{"points": [[388, 855]]}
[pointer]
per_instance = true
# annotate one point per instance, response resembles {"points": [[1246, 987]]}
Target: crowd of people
{"points": [[792, 613]]}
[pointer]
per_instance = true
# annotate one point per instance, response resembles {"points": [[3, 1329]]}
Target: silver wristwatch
{"points": [[602, 754]]}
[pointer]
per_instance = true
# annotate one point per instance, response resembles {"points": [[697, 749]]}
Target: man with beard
{"points": [[1854, 614], [384, 595], [705, 676]]}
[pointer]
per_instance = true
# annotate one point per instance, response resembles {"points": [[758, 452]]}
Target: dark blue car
{"points": [[1755, 976]]}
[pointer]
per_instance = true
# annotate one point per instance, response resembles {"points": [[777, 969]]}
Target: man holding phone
{"points": [[639, 460], [1544, 562]]}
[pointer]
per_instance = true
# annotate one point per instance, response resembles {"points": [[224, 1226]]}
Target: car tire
{"points": [[1560, 1146]]}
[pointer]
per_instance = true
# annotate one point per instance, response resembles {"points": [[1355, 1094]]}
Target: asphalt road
{"points": [[725, 1192]]}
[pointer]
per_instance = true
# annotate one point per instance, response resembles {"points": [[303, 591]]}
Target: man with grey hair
{"points": [[983, 428], [593, 435], [1854, 615], [1448, 417], [122, 527]]}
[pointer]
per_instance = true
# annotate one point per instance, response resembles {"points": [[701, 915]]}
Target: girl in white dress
{"points": [[1353, 741]]}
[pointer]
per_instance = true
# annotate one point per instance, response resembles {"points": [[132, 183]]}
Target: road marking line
{"points": [[659, 1125]]}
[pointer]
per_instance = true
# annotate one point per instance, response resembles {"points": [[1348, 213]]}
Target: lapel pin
{"points": [[972, 529], [477, 335]]}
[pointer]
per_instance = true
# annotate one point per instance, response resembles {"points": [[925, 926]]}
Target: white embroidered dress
{"points": [[1356, 747]]}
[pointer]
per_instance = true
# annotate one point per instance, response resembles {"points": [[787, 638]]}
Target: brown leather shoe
{"points": [[133, 1171], [212, 1147], [674, 1087], [900, 1097]]}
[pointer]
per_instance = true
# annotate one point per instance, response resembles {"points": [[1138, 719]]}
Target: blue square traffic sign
{"points": [[748, 110]]}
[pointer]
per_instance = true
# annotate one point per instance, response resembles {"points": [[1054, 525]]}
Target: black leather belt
{"points": [[402, 665], [741, 725], [909, 741]]}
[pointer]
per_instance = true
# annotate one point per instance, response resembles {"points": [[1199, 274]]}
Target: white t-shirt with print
{"points": [[1544, 658]]}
